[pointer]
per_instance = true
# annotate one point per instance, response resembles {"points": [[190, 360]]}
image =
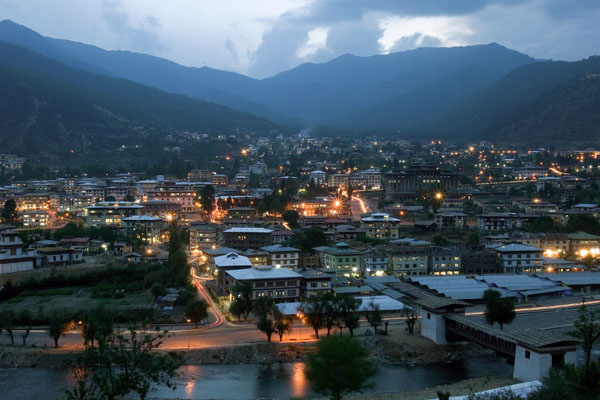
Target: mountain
{"points": [[312, 94], [571, 111], [47, 107], [516, 98]]}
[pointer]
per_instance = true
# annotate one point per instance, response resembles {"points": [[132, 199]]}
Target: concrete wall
{"points": [[537, 366], [433, 327]]}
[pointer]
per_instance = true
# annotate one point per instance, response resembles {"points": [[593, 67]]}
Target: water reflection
{"points": [[276, 381]]}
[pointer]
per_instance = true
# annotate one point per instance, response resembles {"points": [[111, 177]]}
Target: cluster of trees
{"points": [[268, 317], [57, 324], [576, 223], [122, 362], [306, 239], [497, 308]]}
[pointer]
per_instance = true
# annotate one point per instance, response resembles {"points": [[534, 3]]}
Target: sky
{"points": [[261, 38]]}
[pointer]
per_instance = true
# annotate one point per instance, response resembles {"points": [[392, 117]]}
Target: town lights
{"points": [[337, 203], [439, 196]]}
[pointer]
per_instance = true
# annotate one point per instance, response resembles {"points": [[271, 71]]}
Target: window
{"points": [[428, 315], [527, 354]]}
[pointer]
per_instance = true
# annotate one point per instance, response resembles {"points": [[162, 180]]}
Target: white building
{"points": [[381, 226], [280, 284], [318, 178], [282, 256], [519, 258]]}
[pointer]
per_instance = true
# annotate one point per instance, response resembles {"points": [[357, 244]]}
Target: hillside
{"points": [[311, 93], [47, 108]]}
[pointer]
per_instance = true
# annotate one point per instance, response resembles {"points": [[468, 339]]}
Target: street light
{"points": [[188, 334], [439, 195], [299, 315]]}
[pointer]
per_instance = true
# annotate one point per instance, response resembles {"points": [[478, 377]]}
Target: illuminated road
{"points": [[220, 333], [357, 207]]}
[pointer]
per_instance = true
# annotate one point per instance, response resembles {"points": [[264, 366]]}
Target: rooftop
{"points": [[263, 272]]}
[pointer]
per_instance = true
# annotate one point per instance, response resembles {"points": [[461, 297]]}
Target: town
{"points": [[400, 228]]}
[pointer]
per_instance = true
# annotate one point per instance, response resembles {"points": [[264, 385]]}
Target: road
{"points": [[358, 206], [218, 332]]}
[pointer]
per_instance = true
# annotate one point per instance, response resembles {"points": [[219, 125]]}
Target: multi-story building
{"points": [[183, 197], [314, 282], [404, 184], [341, 258], [317, 178], [241, 213], [310, 208], [10, 163], [247, 238], [518, 258], [583, 244], [225, 263], [280, 284], [481, 262], [372, 178], [411, 260], [219, 180], [444, 261], [337, 180], [375, 263], [451, 220], [105, 213], [203, 236], [57, 255], [34, 202], [13, 255], [144, 227], [282, 256], [161, 208], [35, 219], [381, 226]]}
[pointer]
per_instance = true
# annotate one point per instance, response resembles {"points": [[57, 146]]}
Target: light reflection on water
{"points": [[277, 380]]}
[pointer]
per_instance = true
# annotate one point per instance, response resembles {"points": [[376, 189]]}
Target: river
{"points": [[252, 381]]}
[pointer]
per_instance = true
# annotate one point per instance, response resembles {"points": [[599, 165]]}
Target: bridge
{"points": [[533, 351]]}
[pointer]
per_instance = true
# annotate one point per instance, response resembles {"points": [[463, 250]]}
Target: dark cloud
{"points": [[142, 37]]}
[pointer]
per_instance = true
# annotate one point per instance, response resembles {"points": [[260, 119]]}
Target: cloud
{"points": [[143, 36], [262, 38]]}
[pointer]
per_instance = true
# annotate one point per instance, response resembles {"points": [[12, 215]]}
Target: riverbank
{"points": [[396, 348]]}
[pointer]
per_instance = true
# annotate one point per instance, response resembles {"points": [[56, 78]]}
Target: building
{"points": [[444, 261], [518, 258], [203, 236], [372, 179], [282, 256], [408, 260], [499, 222], [338, 180], [241, 213], [59, 256], [317, 178], [310, 208], [348, 232], [381, 226], [281, 235], [247, 238], [280, 284], [451, 220], [109, 213], [13, 255], [10, 163], [144, 227], [34, 202], [184, 197], [35, 219], [161, 208], [228, 262], [375, 263], [481, 262], [583, 244], [341, 258], [404, 184], [314, 283]]}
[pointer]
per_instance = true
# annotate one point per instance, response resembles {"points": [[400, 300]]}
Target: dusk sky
{"points": [[261, 38]]}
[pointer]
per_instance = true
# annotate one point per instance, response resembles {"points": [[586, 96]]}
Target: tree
{"points": [[330, 311], [242, 301], [411, 319], [264, 311], [439, 240], [587, 329], [58, 324], [473, 241], [129, 197], [25, 320], [177, 262], [543, 224], [340, 366], [585, 223], [291, 217], [157, 289], [374, 315], [498, 309], [207, 199], [97, 325], [313, 310], [9, 212], [347, 309], [126, 362], [196, 311], [7, 322], [110, 198], [283, 323]]}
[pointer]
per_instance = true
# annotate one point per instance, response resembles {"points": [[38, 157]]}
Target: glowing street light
{"points": [[439, 196]]}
